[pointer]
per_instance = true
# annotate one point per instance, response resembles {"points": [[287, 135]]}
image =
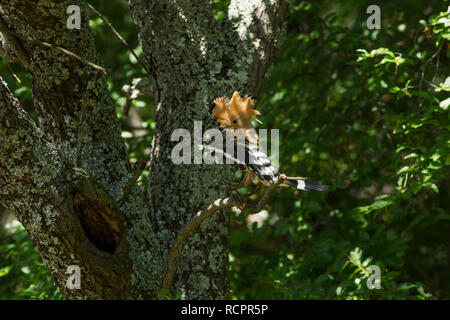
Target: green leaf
{"points": [[445, 103], [4, 271], [445, 86]]}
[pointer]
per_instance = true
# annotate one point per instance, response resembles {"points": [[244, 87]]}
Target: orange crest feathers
{"points": [[236, 113]]}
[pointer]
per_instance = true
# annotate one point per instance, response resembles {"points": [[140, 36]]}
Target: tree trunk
{"points": [[66, 178]]}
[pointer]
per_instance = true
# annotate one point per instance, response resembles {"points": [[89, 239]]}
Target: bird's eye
{"points": [[235, 121]]}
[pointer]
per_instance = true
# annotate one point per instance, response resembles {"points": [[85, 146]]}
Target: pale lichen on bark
{"points": [[191, 58], [59, 83]]}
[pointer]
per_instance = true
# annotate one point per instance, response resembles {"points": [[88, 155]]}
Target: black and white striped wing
{"points": [[257, 161]]}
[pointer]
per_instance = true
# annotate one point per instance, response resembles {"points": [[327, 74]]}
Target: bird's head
{"points": [[235, 113]]}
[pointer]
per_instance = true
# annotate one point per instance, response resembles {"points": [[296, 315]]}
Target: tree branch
{"points": [[72, 55], [139, 88], [15, 44], [69, 224], [121, 39], [255, 208], [131, 181], [25, 156], [192, 59], [33, 184], [81, 129], [186, 232], [192, 225]]}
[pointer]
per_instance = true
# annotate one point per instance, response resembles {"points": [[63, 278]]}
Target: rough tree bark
{"points": [[74, 210]]}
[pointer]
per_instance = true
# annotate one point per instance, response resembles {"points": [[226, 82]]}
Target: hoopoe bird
{"points": [[235, 115]]}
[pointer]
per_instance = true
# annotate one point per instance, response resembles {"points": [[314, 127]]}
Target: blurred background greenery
{"points": [[364, 111]]}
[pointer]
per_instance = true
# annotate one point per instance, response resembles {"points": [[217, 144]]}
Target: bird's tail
{"points": [[305, 185]]}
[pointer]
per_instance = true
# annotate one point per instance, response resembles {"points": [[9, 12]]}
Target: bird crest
{"points": [[236, 113]]}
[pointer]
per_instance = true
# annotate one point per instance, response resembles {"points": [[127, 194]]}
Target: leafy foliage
{"points": [[366, 112], [22, 273]]}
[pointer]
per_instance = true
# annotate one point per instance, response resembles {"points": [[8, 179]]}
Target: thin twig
{"points": [[186, 232], [252, 193], [431, 84], [74, 55], [124, 42], [422, 77], [15, 44], [137, 172], [22, 56], [437, 54], [192, 225], [405, 183], [359, 265], [265, 197], [12, 72]]}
